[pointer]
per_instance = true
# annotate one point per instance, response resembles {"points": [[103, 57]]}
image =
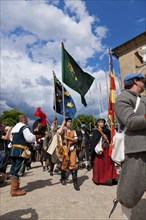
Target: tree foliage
{"points": [[10, 117], [88, 120]]}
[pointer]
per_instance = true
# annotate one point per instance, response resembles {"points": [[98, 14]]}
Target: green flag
{"points": [[74, 77]]}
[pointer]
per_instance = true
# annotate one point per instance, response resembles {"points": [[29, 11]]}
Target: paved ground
{"points": [[47, 199]]}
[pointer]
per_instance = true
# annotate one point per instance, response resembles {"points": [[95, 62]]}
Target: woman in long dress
{"points": [[103, 167]]}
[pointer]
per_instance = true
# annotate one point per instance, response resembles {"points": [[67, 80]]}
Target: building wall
{"points": [[130, 63], [129, 59]]}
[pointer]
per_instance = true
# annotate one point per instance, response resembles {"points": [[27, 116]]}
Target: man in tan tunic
{"points": [[68, 152]]}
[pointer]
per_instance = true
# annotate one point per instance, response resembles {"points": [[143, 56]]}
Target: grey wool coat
{"points": [[135, 135], [132, 184]]}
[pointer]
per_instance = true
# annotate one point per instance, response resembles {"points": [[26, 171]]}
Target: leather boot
{"points": [[74, 178], [15, 190], [114, 182], [51, 169], [63, 178], [19, 186]]}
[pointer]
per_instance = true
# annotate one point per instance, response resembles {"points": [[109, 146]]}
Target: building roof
{"points": [[126, 47]]}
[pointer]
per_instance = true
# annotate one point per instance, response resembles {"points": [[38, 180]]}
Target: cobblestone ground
{"points": [[47, 199]]}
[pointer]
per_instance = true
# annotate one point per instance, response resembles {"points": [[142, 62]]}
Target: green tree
{"points": [[10, 117], [88, 120]]}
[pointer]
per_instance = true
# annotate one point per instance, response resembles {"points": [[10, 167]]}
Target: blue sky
{"points": [[31, 36]]}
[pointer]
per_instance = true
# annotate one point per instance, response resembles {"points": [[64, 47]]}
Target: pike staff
{"points": [[91, 103], [98, 100], [101, 98], [107, 89]]}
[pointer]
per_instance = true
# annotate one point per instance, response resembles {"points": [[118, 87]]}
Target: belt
{"points": [[20, 146]]}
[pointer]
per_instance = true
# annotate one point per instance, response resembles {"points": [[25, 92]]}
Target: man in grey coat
{"points": [[132, 181]]}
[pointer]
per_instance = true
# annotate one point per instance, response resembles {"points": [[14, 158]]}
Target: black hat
{"points": [[101, 119], [67, 119]]}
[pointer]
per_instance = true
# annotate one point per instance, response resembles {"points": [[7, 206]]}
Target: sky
{"points": [[31, 36]]}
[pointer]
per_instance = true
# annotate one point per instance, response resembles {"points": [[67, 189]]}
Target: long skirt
{"points": [[103, 168]]}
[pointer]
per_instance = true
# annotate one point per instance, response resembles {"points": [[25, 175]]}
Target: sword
{"points": [[115, 202]]}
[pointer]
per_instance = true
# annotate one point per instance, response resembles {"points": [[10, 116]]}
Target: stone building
{"points": [[132, 56]]}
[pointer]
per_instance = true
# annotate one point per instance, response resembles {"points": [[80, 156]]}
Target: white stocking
{"points": [[126, 213]]}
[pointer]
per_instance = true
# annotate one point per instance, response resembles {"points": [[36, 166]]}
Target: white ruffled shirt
{"points": [[29, 137]]}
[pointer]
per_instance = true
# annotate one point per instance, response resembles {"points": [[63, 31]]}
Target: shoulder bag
{"points": [[118, 151]]}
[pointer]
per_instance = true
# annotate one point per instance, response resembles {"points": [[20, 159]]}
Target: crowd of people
{"points": [[61, 149], [65, 149]]}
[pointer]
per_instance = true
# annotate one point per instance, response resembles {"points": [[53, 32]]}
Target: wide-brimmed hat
{"points": [[131, 76]]}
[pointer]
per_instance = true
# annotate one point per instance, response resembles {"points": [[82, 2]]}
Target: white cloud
{"points": [[101, 31], [4, 106], [141, 21], [32, 32], [78, 8]]}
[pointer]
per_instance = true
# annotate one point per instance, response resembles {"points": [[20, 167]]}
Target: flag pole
{"points": [[107, 89], [54, 91], [98, 101], [63, 100], [62, 46], [109, 113], [112, 98], [101, 103], [91, 103], [54, 94]]}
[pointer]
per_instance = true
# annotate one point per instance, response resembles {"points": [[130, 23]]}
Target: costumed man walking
{"points": [[132, 181], [68, 152], [20, 137]]}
